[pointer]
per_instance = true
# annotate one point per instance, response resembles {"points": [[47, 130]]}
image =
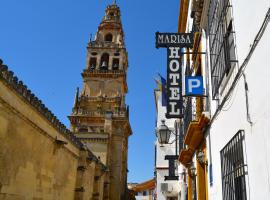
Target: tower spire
{"points": [[114, 2], [76, 100]]}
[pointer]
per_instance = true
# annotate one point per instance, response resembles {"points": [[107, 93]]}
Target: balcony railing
{"points": [[189, 115], [100, 44], [98, 72], [101, 98], [120, 112], [112, 18]]}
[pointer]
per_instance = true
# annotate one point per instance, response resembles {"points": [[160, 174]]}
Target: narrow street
{"points": [[134, 100]]}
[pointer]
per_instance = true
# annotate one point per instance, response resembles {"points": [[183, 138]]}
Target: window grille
{"points": [[223, 58], [233, 169]]}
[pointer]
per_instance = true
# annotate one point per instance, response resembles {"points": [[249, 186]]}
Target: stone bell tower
{"points": [[100, 116]]}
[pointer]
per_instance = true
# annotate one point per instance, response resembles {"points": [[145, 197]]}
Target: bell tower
{"points": [[100, 116]]}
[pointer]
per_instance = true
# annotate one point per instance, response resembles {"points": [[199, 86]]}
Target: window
{"points": [[108, 37], [221, 43], [230, 56], [104, 61], [233, 169], [93, 63], [115, 65]]}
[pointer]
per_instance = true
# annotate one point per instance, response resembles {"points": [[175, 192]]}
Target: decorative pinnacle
{"points": [[114, 2]]}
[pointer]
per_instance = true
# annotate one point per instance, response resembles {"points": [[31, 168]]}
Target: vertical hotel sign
{"points": [[174, 42]]}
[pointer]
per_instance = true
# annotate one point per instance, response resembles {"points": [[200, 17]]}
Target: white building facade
{"points": [[241, 128], [168, 189], [233, 45]]}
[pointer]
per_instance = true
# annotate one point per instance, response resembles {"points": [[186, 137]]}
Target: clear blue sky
{"points": [[44, 43]]}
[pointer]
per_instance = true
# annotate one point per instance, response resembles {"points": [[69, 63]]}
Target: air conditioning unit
{"points": [[164, 187], [170, 189]]}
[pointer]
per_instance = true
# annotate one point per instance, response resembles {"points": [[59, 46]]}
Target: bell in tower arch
{"points": [[104, 61], [104, 65]]}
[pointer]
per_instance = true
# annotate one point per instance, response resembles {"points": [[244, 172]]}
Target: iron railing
{"points": [[188, 114]]}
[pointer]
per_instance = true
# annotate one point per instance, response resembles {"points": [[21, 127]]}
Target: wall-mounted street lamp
{"points": [[163, 133], [201, 158]]}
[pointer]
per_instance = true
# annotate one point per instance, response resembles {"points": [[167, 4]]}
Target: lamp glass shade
{"points": [[163, 133]]}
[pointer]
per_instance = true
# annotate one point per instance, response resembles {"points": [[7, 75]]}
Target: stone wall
{"points": [[39, 157]]}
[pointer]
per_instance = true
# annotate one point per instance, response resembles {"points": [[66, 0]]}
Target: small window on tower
{"points": [[93, 63], [115, 65], [108, 37]]}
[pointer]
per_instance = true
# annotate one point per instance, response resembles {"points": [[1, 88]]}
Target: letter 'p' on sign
{"points": [[194, 85]]}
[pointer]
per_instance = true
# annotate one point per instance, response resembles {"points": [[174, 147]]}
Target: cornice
{"points": [[97, 140]]}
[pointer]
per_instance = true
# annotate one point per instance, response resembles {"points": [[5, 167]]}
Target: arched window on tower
{"points": [[104, 62], [93, 63], [108, 37], [115, 65]]}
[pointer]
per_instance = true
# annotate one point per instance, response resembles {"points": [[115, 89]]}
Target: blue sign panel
{"points": [[194, 85]]}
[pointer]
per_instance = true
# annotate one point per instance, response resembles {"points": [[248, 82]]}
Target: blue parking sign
{"points": [[194, 85]]}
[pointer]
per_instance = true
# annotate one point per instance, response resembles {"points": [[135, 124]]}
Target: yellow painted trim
{"points": [[201, 177], [182, 18], [189, 186], [197, 58], [206, 173]]}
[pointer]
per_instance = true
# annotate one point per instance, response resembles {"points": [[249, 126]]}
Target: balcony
{"points": [[121, 112], [100, 44], [101, 99], [109, 18], [109, 73], [195, 120]]}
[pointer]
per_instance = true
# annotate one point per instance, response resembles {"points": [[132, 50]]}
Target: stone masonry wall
{"points": [[39, 158]]}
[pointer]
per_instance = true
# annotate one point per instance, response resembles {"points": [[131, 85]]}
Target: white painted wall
{"points": [[146, 197], [248, 17], [142, 197], [166, 149]]}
